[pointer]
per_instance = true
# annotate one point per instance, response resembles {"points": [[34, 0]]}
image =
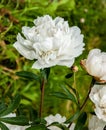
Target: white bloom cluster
{"points": [[14, 127], [95, 64], [57, 118], [98, 97], [50, 42], [96, 124]]}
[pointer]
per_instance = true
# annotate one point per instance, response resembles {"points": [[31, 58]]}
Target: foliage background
{"points": [[89, 15]]}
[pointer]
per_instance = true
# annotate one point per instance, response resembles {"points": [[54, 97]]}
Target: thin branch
{"points": [[42, 97], [87, 97]]}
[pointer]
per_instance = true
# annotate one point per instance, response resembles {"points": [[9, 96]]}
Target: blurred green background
{"points": [[89, 15]]}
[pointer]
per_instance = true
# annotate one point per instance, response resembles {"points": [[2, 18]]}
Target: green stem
{"points": [[87, 97], [42, 97], [74, 85]]}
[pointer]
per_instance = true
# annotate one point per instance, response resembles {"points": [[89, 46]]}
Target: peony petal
{"points": [[103, 77], [29, 54], [67, 63], [95, 123], [29, 33], [38, 65]]}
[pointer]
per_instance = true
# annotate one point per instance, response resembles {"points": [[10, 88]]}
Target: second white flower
{"points": [[98, 97]]}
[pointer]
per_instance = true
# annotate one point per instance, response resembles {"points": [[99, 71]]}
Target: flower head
{"points": [[57, 118], [96, 124], [98, 97], [50, 42], [95, 64]]}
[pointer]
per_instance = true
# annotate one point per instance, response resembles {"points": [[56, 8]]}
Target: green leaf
{"points": [[75, 93], [2, 107], [74, 117], [20, 120], [33, 114], [73, 90], [39, 121], [45, 73], [64, 96], [69, 94], [60, 95], [69, 75], [3, 127], [28, 75], [14, 104], [51, 8], [37, 127], [81, 121], [65, 89], [67, 4], [63, 127]]}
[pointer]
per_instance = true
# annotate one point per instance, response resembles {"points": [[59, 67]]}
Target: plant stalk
{"points": [[87, 97], [42, 97]]}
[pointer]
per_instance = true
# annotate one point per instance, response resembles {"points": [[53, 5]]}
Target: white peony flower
{"points": [[14, 127], [96, 124], [57, 118], [95, 64], [50, 42], [98, 97]]}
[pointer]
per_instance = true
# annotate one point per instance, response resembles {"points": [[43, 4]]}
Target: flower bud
{"points": [[74, 68], [82, 20], [95, 65]]}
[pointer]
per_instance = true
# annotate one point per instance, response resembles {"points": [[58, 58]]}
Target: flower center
{"points": [[48, 55]]}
